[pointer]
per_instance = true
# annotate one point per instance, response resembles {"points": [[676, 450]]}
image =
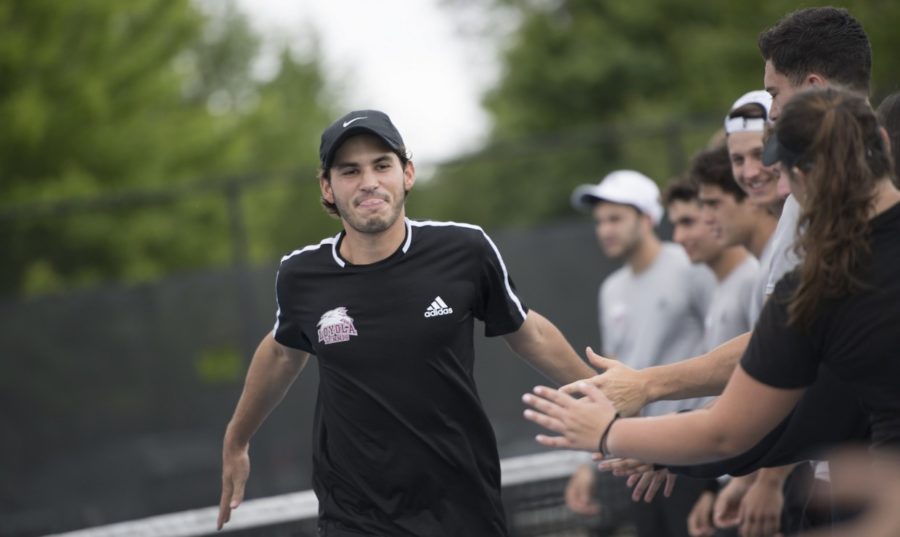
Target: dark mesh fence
{"points": [[113, 401]]}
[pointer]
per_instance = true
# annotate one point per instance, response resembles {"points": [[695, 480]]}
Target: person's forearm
{"points": [[775, 477], [543, 346], [271, 373], [701, 376]]}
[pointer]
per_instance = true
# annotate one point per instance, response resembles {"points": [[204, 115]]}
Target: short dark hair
{"points": [[712, 166], [680, 188], [823, 40], [889, 117]]}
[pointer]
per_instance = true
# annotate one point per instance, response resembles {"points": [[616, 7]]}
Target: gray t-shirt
{"points": [[728, 316], [784, 258], [778, 257], [656, 317]]}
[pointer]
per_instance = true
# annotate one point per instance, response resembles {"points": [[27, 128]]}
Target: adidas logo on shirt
{"points": [[438, 307]]}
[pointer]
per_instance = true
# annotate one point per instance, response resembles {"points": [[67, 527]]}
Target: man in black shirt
{"points": [[402, 444]]}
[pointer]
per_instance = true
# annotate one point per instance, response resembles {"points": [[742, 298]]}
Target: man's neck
{"points": [[645, 254], [725, 263], [366, 248]]}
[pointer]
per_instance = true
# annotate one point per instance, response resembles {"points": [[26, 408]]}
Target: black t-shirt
{"points": [[857, 337], [402, 445]]}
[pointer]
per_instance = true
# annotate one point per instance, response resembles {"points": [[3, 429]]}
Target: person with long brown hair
{"points": [[839, 310]]}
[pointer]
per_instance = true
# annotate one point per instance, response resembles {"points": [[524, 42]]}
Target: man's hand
{"points": [[235, 471], [727, 509], [648, 484], [760, 511], [622, 467], [580, 492], [699, 520], [625, 387]]}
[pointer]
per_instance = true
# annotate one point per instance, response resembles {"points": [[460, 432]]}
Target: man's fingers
{"points": [[224, 504], [656, 482], [598, 361], [641, 487], [671, 479]]}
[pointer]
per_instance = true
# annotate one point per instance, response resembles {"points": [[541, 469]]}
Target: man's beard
{"points": [[372, 224]]}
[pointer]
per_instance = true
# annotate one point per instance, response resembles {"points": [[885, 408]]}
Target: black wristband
{"points": [[602, 446]]}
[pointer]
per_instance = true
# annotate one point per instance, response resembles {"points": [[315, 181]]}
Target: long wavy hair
{"points": [[842, 158]]}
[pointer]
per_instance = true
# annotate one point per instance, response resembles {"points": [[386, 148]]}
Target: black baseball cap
{"points": [[775, 151], [357, 122]]}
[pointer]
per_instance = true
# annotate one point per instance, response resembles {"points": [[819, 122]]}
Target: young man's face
{"points": [[619, 228], [758, 181], [368, 184], [732, 221], [779, 87], [692, 232]]}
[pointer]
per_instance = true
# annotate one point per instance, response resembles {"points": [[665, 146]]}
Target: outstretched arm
{"points": [[631, 389], [540, 343], [745, 412], [272, 371]]}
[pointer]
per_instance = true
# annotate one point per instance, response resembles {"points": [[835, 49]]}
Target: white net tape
{"points": [[303, 505]]}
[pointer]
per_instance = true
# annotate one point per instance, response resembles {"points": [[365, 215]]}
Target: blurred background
{"points": [[157, 157]]}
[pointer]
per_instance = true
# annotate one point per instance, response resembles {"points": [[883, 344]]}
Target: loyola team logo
{"points": [[335, 326]]}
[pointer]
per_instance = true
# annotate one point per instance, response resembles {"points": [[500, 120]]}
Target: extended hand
{"points": [[761, 510], [581, 422], [622, 467], [727, 509], [624, 386], [647, 484], [699, 521], [580, 492]]}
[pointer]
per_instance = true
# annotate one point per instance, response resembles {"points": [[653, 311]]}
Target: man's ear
{"points": [[325, 187], [816, 80], [409, 175]]}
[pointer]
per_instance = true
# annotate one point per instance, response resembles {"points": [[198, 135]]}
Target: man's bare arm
{"points": [[272, 371], [630, 389], [541, 344]]}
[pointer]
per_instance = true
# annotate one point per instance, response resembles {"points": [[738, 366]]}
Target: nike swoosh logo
{"points": [[347, 123]]}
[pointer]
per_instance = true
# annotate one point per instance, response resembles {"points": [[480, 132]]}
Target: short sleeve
{"points": [[779, 355], [498, 305], [287, 330]]}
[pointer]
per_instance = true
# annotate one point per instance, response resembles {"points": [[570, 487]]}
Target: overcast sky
{"points": [[408, 58]]}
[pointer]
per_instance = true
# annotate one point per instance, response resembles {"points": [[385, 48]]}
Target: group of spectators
{"points": [[776, 295]]}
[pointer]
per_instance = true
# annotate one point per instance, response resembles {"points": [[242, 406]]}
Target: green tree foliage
{"points": [[124, 125], [588, 86]]}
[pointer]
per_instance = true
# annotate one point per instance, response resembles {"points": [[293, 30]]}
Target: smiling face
{"points": [[758, 181], [732, 221], [368, 184], [693, 233]]}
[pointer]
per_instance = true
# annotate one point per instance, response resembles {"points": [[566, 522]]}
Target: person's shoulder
{"points": [[615, 280], [458, 233], [671, 253], [309, 253]]}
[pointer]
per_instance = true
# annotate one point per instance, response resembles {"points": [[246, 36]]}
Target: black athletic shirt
{"points": [[858, 336], [402, 445]]}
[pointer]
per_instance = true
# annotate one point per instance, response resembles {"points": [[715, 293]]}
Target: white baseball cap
{"points": [[626, 187], [744, 124]]}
